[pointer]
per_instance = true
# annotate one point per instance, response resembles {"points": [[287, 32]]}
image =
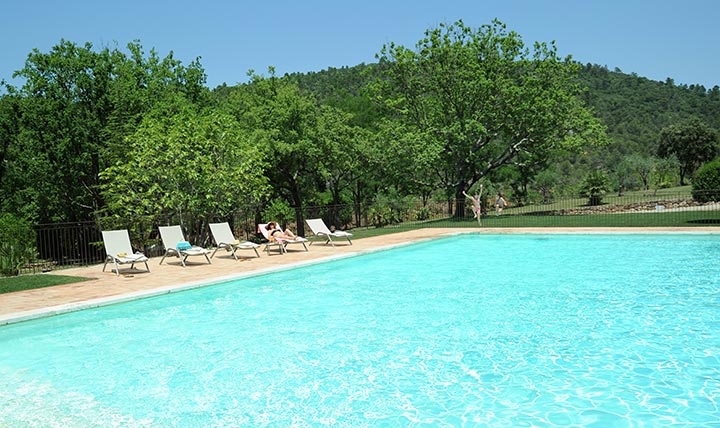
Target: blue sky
{"points": [[656, 39]]}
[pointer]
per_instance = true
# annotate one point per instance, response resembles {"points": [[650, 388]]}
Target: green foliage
{"points": [[544, 184], [480, 97], [187, 166], [344, 88], [634, 108], [706, 183], [665, 173], [17, 247], [345, 154], [595, 186], [641, 167], [285, 123], [388, 208], [129, 136], [77, 106], [279, 211], [691, 142], [422, 214]]}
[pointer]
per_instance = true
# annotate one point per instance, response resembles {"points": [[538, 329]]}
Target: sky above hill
{"points": [[657, 39]]}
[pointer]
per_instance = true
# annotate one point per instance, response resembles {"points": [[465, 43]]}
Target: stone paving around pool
{"points": [[106, 287]]}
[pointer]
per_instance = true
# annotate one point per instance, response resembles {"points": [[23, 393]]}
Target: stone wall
{"points": [[647, 206]]}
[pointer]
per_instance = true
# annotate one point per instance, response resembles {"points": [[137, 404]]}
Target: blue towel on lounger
{"points": [[183, 245]]}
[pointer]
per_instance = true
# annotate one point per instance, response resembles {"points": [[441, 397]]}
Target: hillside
{"points": [[633, 107]]}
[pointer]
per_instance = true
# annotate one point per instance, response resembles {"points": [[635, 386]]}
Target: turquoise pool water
{"points": [[479, 330]]}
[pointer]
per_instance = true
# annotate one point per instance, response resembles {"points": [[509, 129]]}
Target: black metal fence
{"points": [[77, 244]]}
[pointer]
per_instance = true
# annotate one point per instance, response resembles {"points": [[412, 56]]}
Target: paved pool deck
{"points": [[105, 288]]}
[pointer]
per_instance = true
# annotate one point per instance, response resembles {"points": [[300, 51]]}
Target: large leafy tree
{"points": [[345, 165], [186, 166], [477, 98], [140, 82], [65, 108], [285, 122], [692, 142], [9, 131], [78, 104]]}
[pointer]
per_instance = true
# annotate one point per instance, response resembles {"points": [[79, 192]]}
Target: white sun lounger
{"points": [[119, 250], [319, 228], [224, 239], [281, 244], [175, 245]]}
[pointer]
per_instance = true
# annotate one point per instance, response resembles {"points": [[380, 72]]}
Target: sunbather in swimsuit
{"points": [[276, 233]]}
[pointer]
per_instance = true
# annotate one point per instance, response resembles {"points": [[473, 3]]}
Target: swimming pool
{"points": [[478, 330]]}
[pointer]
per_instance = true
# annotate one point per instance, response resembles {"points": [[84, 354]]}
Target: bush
{"points": [[422, 214], [17, 247], [594, 187], [388, 208], [279, 211], [706, 183]]}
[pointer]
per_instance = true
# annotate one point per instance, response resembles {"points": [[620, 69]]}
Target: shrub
{"points": [[279, 211], [706, 183], [422, 214], [594, 187], [17, 247], [388, 208]]}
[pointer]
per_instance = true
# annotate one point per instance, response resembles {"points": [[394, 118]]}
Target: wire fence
{"points": [[78, 244]]}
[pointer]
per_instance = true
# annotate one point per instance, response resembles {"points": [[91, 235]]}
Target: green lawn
{"points": [[29, 282], [651, 219]]}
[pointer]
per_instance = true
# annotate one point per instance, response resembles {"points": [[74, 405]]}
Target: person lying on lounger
{"points": [[275, 232]]}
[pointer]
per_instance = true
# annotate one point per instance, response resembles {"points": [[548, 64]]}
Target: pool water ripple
{"points": [[480, 330]]}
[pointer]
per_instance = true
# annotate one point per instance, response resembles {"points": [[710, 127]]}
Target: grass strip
{"points": [[31, 282]]}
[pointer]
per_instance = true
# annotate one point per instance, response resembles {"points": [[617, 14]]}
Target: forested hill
{"points": [[633, 108]]}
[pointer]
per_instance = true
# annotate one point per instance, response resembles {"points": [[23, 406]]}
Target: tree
{"points": [[286, 123], [188, 166], [692, 142], [642, 166], [140, 82], [78, 105], [65, 109], [545, 183], [9, 133], [664, 174], [344, 161], [17, 246], [479, 97]]}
